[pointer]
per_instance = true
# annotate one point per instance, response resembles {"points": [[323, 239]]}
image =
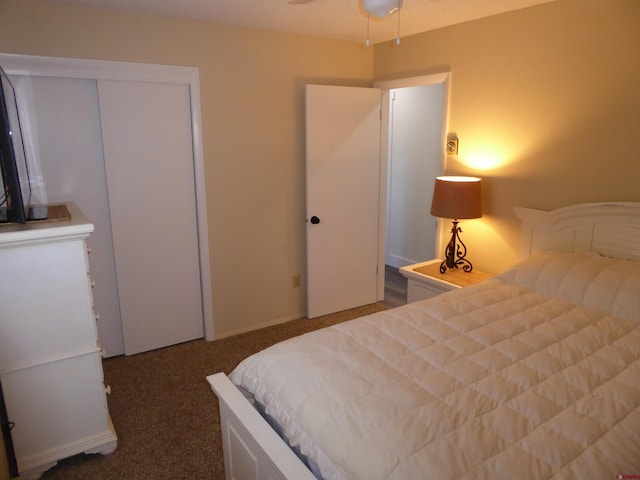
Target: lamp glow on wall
{"points": [[382, 8], [456, 198]]}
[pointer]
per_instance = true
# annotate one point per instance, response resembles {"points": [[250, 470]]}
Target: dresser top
{"points": [[42, 231]]}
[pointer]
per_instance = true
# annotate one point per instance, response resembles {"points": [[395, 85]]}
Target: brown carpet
{"points": [[164, 412]]}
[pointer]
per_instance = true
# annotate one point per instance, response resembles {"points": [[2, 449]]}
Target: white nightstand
{"points": [[424, 280]]}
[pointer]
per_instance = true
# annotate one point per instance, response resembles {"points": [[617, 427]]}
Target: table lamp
{"points": [[456, 198]]}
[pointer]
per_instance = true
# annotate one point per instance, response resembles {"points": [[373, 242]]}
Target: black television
{"points": [[15, 195]]}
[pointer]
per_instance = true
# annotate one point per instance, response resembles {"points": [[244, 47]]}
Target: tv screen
{"points": [[15, 194]]}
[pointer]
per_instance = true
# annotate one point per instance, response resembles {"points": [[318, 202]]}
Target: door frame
{"points": [[385, 153], [14, 64]]}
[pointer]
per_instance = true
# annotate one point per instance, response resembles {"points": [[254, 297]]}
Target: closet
{"points": [[123, 142]]}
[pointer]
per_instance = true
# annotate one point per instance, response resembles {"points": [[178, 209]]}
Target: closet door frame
{"points": [[111, 70]]}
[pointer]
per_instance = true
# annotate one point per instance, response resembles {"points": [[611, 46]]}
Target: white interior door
{"points": [[150, 180], [343, 175]]}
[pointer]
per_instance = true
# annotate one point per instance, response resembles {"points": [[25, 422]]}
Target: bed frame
{"points": [[253, 450]]}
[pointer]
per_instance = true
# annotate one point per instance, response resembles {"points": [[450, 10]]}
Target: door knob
{"points": [[315, 220]]}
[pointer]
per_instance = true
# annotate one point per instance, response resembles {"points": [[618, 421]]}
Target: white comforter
{"points": [[534, 374]]}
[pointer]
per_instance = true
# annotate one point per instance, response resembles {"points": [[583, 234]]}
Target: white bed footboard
{"points": [[252, 449]]}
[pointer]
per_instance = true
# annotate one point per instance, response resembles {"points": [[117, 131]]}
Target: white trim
{"points": [[142, 72], [383, 178], [201, 206], [413, 81], [95, 69]]}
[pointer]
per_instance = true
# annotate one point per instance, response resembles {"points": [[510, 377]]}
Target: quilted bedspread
{"points": [[533, 374]]}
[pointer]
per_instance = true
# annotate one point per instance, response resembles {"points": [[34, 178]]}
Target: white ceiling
{"points": [[341, 19]]}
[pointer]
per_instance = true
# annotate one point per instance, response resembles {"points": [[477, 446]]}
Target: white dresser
{"points": [[50, 358]]}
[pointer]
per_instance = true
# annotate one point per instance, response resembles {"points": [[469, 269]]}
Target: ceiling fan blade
{"points": [[298, 2]]}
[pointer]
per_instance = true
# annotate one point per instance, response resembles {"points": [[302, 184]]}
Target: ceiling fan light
{"points": [[381, 8]]}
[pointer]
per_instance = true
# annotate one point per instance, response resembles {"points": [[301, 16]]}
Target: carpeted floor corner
{"points": [[164, 412]]}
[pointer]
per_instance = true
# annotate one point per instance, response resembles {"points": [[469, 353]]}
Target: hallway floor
{"points": [[395, 287]]}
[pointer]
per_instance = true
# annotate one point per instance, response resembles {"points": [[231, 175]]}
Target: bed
{"points": [[534, 373]]}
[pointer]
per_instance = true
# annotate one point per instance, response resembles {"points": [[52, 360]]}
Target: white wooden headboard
{"points": [[611, 229]]}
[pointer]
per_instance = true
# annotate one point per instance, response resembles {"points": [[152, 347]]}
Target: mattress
{"points": [[532, 374]]}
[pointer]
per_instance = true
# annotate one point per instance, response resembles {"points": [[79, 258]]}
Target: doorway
{"points": [[414, 119], [385, 139]]}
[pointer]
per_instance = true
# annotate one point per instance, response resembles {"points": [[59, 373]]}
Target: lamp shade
{"points": [[457, 197]]}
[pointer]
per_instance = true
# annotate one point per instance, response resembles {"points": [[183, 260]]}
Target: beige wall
{"points": [[252, 93], [546, 104]]}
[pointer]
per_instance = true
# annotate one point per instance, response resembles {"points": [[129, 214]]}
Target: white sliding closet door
{"points": [[148, 152]]}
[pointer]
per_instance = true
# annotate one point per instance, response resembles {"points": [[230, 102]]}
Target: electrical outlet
{"points": [[452, 143], [452, 146], [296, 281]]}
